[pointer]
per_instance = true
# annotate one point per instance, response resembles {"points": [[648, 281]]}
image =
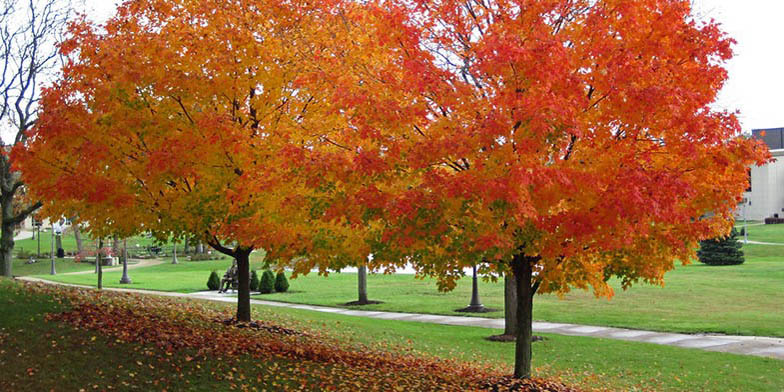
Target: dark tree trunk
{"points": [[78, 238], [242, 254], [185, 246], [98, 264], [243, 288], [7, 236], [523, 273], [362, 285], [510, 305]]}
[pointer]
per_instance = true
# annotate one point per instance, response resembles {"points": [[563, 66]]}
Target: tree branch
{"points": [[27, 211]]}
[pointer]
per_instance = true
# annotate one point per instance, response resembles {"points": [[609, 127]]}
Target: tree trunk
{"points": [[98, 264], [362, 285], [174, 254], [78, 238], [510, 305], [200, 248], [243, 288], [185, 246], [116, 246], [523, 271], [7, 237], [97, 259]]}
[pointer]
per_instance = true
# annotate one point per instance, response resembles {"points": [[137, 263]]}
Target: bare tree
{"points": [[29, 31]]}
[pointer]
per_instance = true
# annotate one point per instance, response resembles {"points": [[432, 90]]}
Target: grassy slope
{"points": [[40, 355], [741, 299]]}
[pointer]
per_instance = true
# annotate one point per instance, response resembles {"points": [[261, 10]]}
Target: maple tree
{"points": [[193, 136], [565, 142]]}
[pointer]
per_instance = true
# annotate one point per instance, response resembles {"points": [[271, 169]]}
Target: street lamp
{"points": [[51, 255], [125, 279]]}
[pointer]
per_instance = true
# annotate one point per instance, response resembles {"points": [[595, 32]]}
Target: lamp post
{"points": [[125, 279], [51, 255], [745, 229]]}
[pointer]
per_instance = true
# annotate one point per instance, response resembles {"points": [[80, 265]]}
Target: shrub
{"points": [[213, 283], [206, 256], [267, 283], [254, 281], [722, 250], [281, 283]]}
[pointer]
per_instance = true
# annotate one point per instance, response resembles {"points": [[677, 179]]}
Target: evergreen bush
{"points": [[213, 283], [722, 250], [267, 283], [281, 283], [254, 281]]}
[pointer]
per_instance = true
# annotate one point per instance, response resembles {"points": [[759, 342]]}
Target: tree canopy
{"points": [[567, 141]]}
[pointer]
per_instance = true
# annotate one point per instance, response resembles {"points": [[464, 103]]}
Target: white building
{"points": [[765, 196]]}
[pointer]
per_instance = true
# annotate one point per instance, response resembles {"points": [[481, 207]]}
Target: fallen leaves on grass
{"points": [[291, 359]]}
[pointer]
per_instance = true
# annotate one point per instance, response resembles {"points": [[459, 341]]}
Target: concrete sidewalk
{"points": [[744, 345]]}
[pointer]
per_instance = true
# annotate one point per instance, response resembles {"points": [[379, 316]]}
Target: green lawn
{"points": [[589, 362], [42, 267], [738, 300], [765, 233], [185, 277], [42, 355], [69, 243]]}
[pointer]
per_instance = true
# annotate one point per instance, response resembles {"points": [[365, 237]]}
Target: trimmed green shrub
{"points": [[254, 281], [267, 283], [213, 283], [281, 283], [206, 256], [722, 250]]}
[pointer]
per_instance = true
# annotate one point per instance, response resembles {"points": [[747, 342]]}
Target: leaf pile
{"points": [[315, 361]]}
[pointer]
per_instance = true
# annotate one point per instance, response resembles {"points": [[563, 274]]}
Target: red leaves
{"points": [[172, 325]]}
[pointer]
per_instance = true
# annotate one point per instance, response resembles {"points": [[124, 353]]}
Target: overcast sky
{"points": [[756, 83]]}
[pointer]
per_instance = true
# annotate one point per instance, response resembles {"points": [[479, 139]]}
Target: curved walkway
{"points": [[139, 264], [744, 345]]}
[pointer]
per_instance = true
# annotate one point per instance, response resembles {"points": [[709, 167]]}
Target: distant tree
{"points": [[725, 250], [29, 31]]}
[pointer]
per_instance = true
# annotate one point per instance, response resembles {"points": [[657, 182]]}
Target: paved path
{"points": [[745, 345], [763, 243], [139, 264], [23, 235]]}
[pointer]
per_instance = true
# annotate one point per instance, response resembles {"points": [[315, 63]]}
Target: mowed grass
{"points": [[764, 233], [40, 355], [738, 300], [43, 267], [590, 363], [185, 277], [69, 243]]}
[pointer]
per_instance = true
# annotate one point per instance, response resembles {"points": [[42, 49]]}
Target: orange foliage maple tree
{"points": [[566, 142], [182, 118]]}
